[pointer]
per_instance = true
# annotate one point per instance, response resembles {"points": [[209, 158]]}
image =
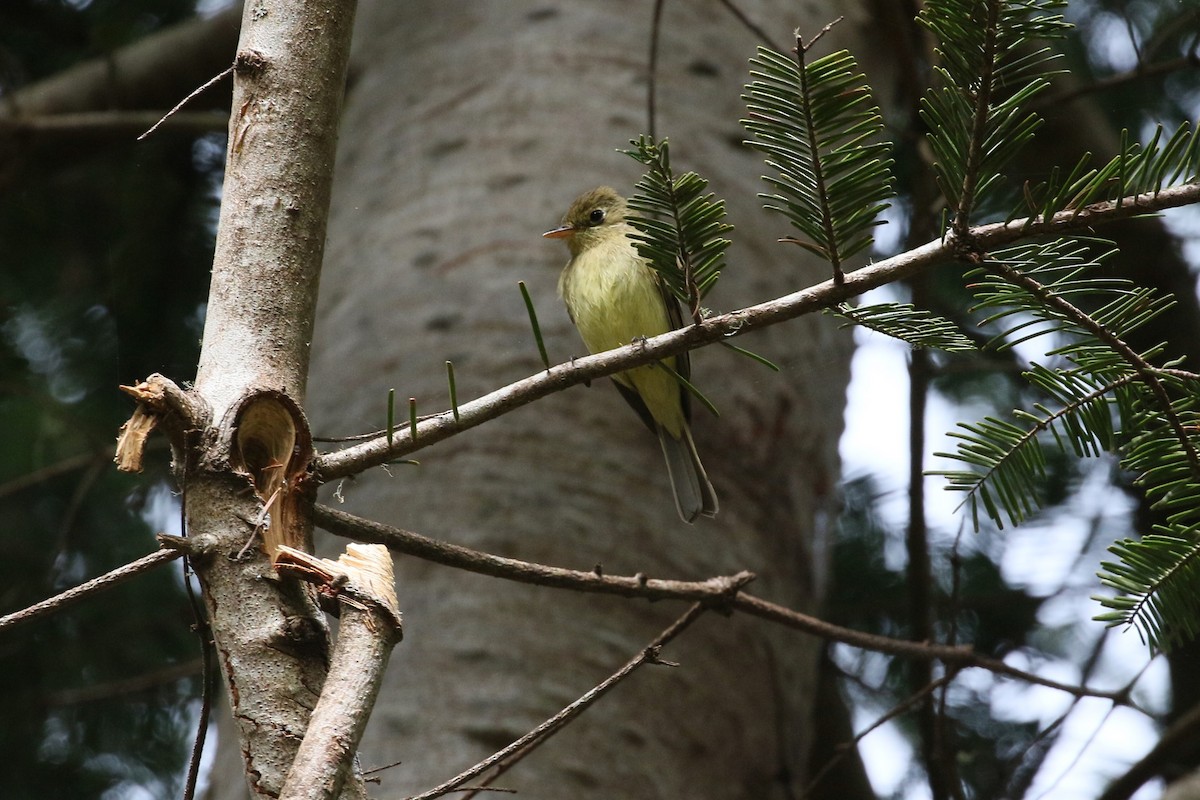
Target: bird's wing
{"points": [[637, 404], [683, 361]]}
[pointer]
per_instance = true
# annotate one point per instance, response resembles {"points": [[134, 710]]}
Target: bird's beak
{"points": [[564, 232]]}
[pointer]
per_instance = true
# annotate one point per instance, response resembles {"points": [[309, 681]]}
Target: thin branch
{"points": [[750, 25], [93, 123], [135, 685], [1046, 424], [816, 166], [542, 732], [652, 68], [961, 656], [918, 576], [208, 676], [1176, 739], [69, 464], [198, 90], [723, 593], [1140, 72], [898, 710], [438, 427], [451, 555], [1185, 25], [83, 590]]}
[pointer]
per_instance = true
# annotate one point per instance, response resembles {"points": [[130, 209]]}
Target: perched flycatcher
{"points": [[614, 297]]}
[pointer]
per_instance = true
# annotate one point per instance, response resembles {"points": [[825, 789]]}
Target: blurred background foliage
{"points": [[104, 259]]}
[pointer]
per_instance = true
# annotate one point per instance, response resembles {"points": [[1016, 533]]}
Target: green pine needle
{"points": [[820, 131], [902, 321], [988, 73], [681, 228]]}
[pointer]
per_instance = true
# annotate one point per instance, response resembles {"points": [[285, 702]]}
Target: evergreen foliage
{"points": [[917, 327], [830, 172], [820, 131], [1137, 169], [682, 228], [103, 695], [978, 118]]}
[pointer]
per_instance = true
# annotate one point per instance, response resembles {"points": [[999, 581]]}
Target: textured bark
{"points": [[251, 464], [469, 128]]}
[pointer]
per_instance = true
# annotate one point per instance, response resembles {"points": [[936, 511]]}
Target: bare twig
{"points": [[363, 530], [1176, 739], [352, 460], [106, 123], [140, 683], [208, 675], [901, 708], [1140, 72], [69, 464], [750, 25], [60, 601], [724, 592], [198, 90], [960, 656], [542, 732], [652, 69]]}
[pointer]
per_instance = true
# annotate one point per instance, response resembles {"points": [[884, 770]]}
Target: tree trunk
{"points": [[469, 127]]}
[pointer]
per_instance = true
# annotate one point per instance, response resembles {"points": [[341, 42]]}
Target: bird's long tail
{"points": [[694, 493]]}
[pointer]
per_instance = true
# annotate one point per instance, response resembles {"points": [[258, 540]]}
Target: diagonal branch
{"points": [[713, 590], [60, 601], [721, 593], [649, 655], [377, 451]]}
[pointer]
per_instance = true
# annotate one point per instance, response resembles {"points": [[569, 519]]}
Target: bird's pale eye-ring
{"points": [[596, 217]]}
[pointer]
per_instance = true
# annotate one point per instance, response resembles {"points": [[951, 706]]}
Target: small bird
{"points": [[614, 297]]}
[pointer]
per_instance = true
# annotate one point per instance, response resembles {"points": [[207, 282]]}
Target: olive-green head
{"points": [[592, 218]]}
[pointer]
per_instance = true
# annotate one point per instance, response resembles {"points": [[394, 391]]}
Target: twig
{"points": [[981, 98], [724, 592], [363, 530], [438, 427], [93, 123], [140, 683], [652, 69], [208, 675], [1174, 741], [542, 732], [1141, 71], [81, 591], [1145, 370], [69, 464], [961, 656], [901, 708], [750, 24], [228, 71]]}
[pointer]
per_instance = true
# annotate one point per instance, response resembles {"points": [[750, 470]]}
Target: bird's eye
{"points": [[596, 217]]}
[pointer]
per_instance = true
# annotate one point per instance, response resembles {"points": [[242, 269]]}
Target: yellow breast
{"points": [[613, 297]]}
